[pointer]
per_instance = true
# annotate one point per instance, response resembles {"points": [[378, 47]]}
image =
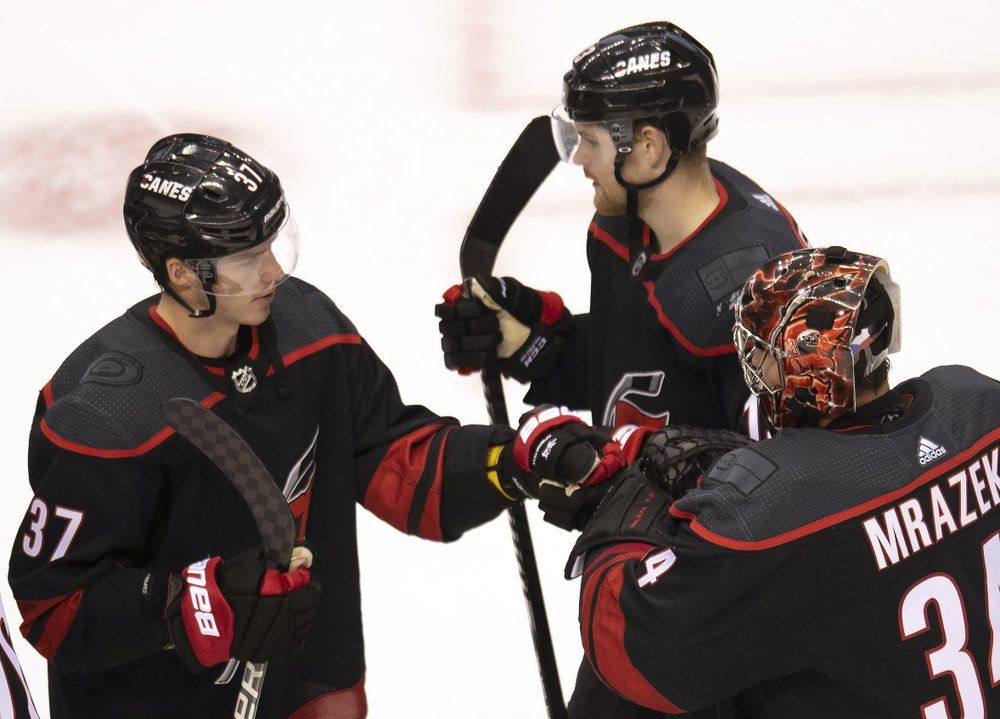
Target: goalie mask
{"points": [[809, 324]]}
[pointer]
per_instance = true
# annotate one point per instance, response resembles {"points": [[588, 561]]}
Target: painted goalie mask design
{"points": [[809, 323]]}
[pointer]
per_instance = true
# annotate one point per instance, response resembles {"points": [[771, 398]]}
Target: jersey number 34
{"points": [[952, 657]]}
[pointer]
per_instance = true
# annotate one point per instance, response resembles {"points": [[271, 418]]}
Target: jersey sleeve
{"points": [[72, 565], [681, 627], [421, 473], [725, 377], [567, 382]]}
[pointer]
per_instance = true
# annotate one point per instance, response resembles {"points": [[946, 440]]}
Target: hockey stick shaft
{"points": [[524, 550], [244, 469], [530, 160]]}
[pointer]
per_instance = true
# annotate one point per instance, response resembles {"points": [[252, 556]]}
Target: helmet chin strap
{"points": [[637, 253], [206, 283]]}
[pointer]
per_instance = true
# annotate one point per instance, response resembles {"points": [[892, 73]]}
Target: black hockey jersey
{"points": [[117, 494], [662, 351], [850, 573]]}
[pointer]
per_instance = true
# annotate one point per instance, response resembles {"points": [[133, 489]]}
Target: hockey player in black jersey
{"points": [[848, 567], [674, 237], [138, 568]]}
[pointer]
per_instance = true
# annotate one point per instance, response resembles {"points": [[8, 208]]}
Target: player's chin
{"points": [[255, 314], [606, 205]]}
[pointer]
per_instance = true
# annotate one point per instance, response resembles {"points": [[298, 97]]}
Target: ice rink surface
{"points": [[874, 123]]}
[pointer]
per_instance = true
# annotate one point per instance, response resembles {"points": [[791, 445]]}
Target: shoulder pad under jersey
{"points": [[306, 320], [776, 491], [805, 480], [105, 399], [693, 294]]}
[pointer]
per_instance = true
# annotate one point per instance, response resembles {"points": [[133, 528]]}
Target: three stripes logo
{"points": [[928, 451]]}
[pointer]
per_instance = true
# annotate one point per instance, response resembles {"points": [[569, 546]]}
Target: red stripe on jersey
{"points": [[842, 516], [320, 344], [155, 316], [723, 201], [348, 703], [603, 630], [47, 394], [665, 321], [63, 611], [607, 239], [430, 519], [254, 342], [146, 446], [390, 492]]}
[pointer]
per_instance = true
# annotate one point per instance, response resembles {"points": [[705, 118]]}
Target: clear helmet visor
{"points": [[614, 136], [255, 271], [565, 134]]}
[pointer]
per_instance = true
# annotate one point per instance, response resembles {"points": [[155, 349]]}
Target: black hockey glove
{"points": [[237, 608], [634, 509], [677, 456], [573, 459], [526, 328]]}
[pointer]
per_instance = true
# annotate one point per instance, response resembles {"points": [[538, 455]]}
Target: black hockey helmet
{"points": [[651, 71], [200, 199], [654, 72]]}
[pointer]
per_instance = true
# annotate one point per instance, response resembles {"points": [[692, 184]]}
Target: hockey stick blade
{"points": [[243, 468], [530, 160]]}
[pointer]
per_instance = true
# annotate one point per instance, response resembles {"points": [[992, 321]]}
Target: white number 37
{"points": [[33, 539]]}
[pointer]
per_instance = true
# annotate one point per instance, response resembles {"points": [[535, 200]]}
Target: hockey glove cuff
{"points": [[512, 481], [633, 510], [239, 608]]}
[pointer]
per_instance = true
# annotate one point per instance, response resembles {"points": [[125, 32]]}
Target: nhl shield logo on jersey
{"points": [[244, 379]]}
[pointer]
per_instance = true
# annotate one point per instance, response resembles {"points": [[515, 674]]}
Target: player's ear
{"points": [[653, 145], [179, 274]]}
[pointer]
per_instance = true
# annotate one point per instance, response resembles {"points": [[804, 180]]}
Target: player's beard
{"points": [[610, 201]]}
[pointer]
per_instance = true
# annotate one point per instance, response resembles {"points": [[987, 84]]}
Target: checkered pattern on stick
{"points": [[231, 454]]}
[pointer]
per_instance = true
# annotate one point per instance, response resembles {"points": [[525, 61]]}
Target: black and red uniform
{"points": [[662, 351], [852, 571], [118, 494]]}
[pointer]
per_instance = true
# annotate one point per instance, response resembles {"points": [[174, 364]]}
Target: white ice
{"points": [[874, 123]]}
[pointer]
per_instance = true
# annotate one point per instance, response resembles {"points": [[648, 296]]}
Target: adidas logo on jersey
{"points": [[927, 451], [171, 189]]}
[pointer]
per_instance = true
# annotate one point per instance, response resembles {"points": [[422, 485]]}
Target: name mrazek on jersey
{"points": [[934, 511]]}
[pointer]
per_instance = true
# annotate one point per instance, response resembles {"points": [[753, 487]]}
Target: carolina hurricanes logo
{"points": [[636, 400], [298, 486]]}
